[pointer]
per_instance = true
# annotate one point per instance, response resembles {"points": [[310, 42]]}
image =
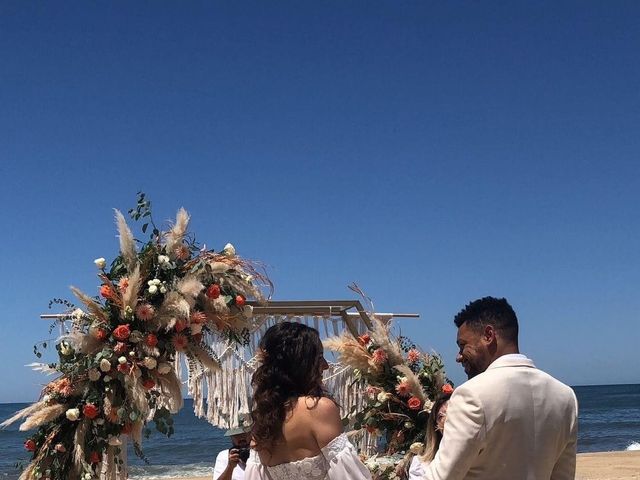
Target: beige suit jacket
{"points": [[512, 422]]}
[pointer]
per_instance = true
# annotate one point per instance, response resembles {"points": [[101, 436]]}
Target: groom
{"points": [[510, 421]]}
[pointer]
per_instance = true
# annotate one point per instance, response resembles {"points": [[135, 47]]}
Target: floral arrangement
{"points": [[118, 359], [400, 384]]}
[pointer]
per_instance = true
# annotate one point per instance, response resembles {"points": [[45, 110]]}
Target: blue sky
{"points": [[432, 152]]}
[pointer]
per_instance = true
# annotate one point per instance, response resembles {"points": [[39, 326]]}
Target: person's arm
{"points": [[222, 471], [463, 437], [565, 467]]}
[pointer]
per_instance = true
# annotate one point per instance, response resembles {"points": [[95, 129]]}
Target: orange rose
{"points": [[122, 332], [90, 411], [414, 403], [447, 389]]}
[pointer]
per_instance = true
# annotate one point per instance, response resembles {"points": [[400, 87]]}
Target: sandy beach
{"points": [[591, 466]]}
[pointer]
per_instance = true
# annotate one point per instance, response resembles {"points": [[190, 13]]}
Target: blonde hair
{"points": [[433, 436]]}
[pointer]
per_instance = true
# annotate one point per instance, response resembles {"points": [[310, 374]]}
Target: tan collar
{"points": [[512, 360]]}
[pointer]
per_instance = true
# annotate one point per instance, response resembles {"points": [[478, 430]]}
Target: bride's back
{"points": [[310, 425]]}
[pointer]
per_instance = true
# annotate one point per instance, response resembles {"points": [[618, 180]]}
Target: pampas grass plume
{"points": [[42, 416], [127, 243]]}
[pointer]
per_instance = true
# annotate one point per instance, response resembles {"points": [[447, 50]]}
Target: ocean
{"points": [[609, 421]]}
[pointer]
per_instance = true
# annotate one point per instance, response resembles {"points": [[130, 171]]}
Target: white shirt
{"points": [[222, 460]]}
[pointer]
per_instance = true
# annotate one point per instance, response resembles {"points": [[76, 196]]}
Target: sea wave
{"points": [[633, 446], [162, 472]]}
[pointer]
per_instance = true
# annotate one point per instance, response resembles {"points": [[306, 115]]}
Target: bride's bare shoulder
{"points": [[318, 405]]}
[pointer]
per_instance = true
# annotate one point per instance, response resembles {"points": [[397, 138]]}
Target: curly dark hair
{"points": [[291, 368], [490, 311]]}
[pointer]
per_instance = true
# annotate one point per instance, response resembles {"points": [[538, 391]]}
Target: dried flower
{"points": [[145, 312], [403, 388], [413, 355], [379, 356], [179, 341], [94, 375]]}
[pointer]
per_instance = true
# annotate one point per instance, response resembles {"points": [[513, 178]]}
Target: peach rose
{"points": [[447, 389], [122, 332], [414, 403]]}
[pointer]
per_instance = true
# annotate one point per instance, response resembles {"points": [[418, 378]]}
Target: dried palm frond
{"points": [[174, 305], [136, 432], [207, 358], [190, 287], [82, 342], [42, 367], [171, 391], [350, 352], [414, 382], [78, 445], [130, 295], [42, 416], [137, 394], [29, 473], [94, 308], [177, 232], [127, 242], [25, 412]]}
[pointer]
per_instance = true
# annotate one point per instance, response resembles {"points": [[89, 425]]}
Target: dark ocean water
{"points": [[609, 421]]}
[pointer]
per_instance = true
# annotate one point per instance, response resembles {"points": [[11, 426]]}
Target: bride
{"points": [[297, 430]]}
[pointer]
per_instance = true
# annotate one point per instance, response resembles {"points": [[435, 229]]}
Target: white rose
{"points": [[153, 289], [100, 263], [73, 414], [46, 398], [77, 314], [428, 405], [114, 441], [229, 250], [105, 365], [416, 448], [383, 397], [247, 311], [150, 363], [65, 349], [164, 368], [122, 360], [94, 375], [163, 260]]}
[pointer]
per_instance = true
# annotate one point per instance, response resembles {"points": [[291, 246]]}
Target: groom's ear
{"points": [[489, 334]]}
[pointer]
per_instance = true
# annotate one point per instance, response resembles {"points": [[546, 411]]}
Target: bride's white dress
{"points": [[338, 460]]}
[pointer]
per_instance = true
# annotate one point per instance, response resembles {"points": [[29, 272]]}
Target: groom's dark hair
{"points": [[490, 311]]}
